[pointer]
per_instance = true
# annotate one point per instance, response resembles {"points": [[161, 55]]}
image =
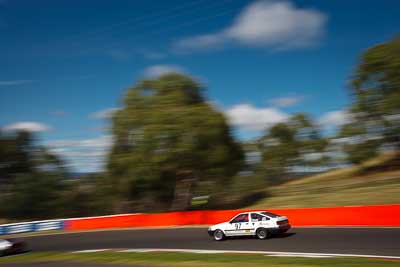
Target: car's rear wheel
{"points": [[262, 233], [218, 235]]}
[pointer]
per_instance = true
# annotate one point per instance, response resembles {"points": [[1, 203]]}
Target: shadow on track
{"points": [[284, 235]]}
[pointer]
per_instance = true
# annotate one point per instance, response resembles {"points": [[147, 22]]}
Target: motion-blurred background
{"points": [[127, 106]]}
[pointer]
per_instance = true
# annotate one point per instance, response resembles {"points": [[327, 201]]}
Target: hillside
{"points": [[376, 181]]}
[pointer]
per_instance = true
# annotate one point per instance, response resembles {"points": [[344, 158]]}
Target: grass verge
{"points": [[374, 182], [194, 260]]}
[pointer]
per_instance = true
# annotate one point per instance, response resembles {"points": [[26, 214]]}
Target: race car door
{"points": [[239, 225]]}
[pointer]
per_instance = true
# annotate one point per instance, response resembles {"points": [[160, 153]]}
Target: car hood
{"points": [[4, 244], [217, 226]]}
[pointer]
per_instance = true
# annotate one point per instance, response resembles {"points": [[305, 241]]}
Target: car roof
{"points": [[253, 211]]}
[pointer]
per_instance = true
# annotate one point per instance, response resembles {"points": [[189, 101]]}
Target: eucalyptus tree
{"points": [[167, 140]]}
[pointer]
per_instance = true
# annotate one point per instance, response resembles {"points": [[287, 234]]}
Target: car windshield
{"points": [[269, 214]]}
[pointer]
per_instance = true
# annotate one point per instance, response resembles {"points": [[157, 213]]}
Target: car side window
{"points": [[241, 218], [255, 217]]}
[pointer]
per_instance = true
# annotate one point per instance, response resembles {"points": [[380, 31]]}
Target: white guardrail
{"points": [[45, 225], [36, 226]]}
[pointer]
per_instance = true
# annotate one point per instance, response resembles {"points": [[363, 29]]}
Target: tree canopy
{"points": [[376, 89], [286, 145], [375, 108], [167, 138]]}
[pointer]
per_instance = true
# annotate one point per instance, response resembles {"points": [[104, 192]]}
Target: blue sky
{"points": [[65, 64]]}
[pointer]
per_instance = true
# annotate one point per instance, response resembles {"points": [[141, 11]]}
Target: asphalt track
{"points": [[370, 241]]}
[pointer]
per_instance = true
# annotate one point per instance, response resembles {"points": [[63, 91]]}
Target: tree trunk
{"points": [[183, 190]]}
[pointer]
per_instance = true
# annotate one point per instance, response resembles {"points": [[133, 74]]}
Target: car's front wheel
{"points": [[218, 235], [262, 233]]}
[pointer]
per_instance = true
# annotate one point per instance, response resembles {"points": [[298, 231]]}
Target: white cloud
{"points": [[274, 24], [159, 70], [250, 118], [283, 102], [103, 114], [103, 141], [153, 55], [87, 155], [29, 126], [200, 42], [120, 55], [15, 82], [335, 118], [58, 113]]}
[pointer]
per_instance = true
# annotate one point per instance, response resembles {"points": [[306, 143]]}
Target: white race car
{"points": [[261, 224], [12, 246]]}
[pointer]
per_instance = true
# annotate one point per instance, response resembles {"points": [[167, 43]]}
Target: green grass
{"points": [[194, 260], [374, 182]]}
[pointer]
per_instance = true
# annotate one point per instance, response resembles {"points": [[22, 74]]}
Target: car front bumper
{"points": [[16, 248]]}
